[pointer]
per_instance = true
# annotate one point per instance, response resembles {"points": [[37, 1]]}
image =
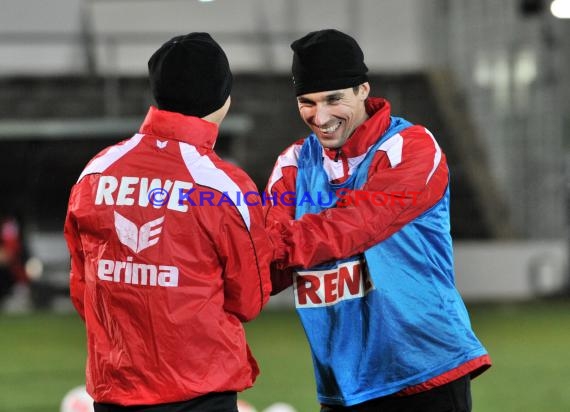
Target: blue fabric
{"points": [[313, 180], [410, 326]]}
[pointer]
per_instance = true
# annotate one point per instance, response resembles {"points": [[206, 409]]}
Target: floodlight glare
{"points": [[560, 9]]}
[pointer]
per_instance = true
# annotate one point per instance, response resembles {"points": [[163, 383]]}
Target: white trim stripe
{"points": [[334, 170], [393, 148], [288, 158], [100, 164], [436, 158], [205, 173], [354, 162]]}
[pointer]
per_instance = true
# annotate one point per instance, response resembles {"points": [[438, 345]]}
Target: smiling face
{"points": [[333, 115]]}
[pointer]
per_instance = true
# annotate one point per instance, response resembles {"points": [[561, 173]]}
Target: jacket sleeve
{"points": [[76, 275], [404, 181], [246, 254], [280, 208]]}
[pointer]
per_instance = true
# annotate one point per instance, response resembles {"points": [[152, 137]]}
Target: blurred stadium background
{"points": [[490, 78]]}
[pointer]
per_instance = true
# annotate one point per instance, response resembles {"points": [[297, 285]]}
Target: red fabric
{"points": [[11, 250], [411, 187], [474, 367], [344, 231], [151, 343]]}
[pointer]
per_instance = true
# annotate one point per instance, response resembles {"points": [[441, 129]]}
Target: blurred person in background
{"points": [[14, 281], [163, 279], [367, 245]]}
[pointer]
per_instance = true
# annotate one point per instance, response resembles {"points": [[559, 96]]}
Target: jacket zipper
{"points": [[336, 157]]}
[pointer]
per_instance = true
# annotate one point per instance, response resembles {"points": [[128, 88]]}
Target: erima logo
{"points": [[135, 239], [137, 273], [319, 288]]}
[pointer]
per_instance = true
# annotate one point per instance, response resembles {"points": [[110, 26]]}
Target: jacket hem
{"points": [[396, 388]]}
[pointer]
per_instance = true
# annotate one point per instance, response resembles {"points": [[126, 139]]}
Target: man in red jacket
{"points": [[167, 260], [368, 240]]}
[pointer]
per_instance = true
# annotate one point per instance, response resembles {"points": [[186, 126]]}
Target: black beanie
{"points": [[190, 75], [327, 60]]}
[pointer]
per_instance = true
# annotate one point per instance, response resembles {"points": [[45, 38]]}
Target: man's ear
{"points": [[364, 91]]}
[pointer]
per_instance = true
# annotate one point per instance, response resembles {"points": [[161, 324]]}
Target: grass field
{"points": [[42, 357]]}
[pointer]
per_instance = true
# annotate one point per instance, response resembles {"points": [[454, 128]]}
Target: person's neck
{"points": [[214, 118]]}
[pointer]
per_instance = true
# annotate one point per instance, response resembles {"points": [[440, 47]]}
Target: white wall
{"points": [[510, 270], [39, 36]]}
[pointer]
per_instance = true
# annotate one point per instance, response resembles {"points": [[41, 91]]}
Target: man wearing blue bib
{"points": [[359, 215]]}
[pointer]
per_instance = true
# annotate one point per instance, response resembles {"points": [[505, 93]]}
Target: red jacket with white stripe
{"points": [[408, 176], [344, 231], [167, 261]]}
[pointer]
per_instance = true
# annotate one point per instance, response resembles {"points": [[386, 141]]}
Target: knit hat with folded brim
{"points": [[327, 60], [191, 75]]}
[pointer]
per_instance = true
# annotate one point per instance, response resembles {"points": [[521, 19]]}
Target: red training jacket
{"points": [[338, 232], [166, 262]]}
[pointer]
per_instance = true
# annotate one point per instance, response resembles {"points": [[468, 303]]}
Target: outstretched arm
{"points": [[405, 180]]}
